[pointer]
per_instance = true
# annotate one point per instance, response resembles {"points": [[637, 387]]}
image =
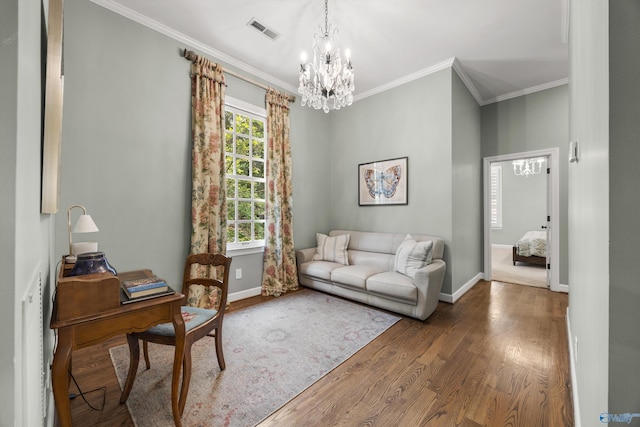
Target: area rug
{"points": [[273, 352], [503, 270]]}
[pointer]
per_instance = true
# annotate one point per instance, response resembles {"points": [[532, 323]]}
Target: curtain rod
{"points": [[188, 54]]}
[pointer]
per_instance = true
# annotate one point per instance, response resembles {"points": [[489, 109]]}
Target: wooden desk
{"points": [[87, 329]]}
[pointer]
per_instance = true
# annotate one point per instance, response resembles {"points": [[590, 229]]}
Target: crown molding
{"points": [[449, 63], [527, 91], [195, 44], [406, 79], [467, 81]]}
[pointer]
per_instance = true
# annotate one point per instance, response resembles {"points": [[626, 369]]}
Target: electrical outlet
{"points": [[238, 273]]}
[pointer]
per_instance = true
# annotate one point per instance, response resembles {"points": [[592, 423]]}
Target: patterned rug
{"points": [[273, 352]]}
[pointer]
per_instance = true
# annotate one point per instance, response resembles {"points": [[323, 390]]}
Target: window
{"points": [[245, 154], [496, 196]]}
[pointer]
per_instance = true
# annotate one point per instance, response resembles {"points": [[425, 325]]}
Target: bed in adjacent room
{"points": [[531, 248]]}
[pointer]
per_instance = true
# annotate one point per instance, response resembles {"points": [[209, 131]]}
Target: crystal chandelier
{"points": [[326, 77], [528, 167]]}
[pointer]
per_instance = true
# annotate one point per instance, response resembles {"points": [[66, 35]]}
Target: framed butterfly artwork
{"points": [[383, 183]]}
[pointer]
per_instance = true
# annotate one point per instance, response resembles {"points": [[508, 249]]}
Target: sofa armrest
{"points": [[305, 255], [429, 280]]}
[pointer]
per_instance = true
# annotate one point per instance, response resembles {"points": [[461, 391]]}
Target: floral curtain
{"points": [[280, 273], [208, 194]]}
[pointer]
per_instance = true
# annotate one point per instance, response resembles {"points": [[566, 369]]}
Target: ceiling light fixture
{"points": [[528, 167], [326, 77]]}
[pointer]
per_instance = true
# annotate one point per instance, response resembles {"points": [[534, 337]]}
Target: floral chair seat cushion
{"points": [[193, 317]]}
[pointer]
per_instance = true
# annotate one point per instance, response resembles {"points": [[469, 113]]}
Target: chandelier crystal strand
{"points": [[528, 167], [326, 82]]}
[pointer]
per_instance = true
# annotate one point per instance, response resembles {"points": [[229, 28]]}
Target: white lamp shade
{"points": [[85, 225], [78, 248]]}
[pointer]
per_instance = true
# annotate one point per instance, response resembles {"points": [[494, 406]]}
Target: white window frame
{"points": [[496, 197], [252, 111]]}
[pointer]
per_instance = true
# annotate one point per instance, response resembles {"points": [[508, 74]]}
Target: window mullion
{"points": [[244, 158]]}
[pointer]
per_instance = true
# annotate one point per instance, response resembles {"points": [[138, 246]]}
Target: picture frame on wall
{"points": [[54, 88], [383, 182]]}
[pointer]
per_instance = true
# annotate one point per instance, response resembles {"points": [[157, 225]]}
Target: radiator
{"points": [[33, 386]]}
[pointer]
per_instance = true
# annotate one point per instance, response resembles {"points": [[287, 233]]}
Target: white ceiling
{"points": [[503, 48]]}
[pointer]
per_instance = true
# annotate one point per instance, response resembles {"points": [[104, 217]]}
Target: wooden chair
{"points": [[199, 322]]}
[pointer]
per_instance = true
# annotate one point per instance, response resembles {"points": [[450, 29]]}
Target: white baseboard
{"points": [[236, 296], [563, 288], [463, 290], [500, 245], [574, 380]]}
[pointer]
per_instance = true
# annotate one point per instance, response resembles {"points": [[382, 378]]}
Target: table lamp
{"points": [[84, 225]]}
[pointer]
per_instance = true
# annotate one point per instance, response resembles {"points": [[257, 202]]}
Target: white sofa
{"points": [[372, 276]]}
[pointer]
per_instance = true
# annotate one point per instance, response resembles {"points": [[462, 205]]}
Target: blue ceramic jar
{"points": [[92, 262]]}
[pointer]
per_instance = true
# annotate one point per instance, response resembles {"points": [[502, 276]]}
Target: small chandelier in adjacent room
{"points": [[327, 76], [528, 167]]}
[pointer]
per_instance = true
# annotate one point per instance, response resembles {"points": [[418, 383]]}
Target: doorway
{"points": [[533, 211]]}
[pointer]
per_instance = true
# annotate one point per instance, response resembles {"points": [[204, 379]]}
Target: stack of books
{"points": [[144, 287]]}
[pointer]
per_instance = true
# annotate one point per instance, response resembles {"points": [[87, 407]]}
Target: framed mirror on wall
{"points": [[54, 88]]}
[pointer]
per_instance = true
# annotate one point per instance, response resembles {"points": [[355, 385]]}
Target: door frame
{"points": [[553, 207]]}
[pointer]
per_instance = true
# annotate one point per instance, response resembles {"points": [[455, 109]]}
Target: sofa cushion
{"points": [[393, 285], [354, 275], [387, 243], [383, 262], [332, 249], [319, 269], [412, 256]]}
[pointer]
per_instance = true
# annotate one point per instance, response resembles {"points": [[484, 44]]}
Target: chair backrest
{"points": [[211, 290]]}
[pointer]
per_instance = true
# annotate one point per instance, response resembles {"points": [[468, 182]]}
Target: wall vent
{"points": [[254, 23], [34, 389]]}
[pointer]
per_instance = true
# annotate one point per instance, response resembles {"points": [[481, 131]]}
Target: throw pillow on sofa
{"points": [[332, 249], [412, 256]]}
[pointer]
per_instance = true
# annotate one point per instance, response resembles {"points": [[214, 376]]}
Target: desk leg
{"points": [[60, 377], [134, 360], [178, 324]]}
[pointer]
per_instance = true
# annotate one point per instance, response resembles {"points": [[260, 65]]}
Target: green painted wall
{"points": [[8, 178], [533, 122], [412, 120], [126, 157], [624, 207], [24, 233], [126, 145], [466, 178], [126, 153], [435, 122], [588, 216]]}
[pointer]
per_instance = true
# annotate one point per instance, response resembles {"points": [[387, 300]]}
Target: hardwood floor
{"points": [[498, 357]]}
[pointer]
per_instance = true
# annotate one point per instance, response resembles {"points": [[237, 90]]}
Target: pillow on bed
{"points": [[332, 249], [412, 256]]}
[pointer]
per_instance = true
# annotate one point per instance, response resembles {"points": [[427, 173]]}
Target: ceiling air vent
{"points": [[263, 29]]}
